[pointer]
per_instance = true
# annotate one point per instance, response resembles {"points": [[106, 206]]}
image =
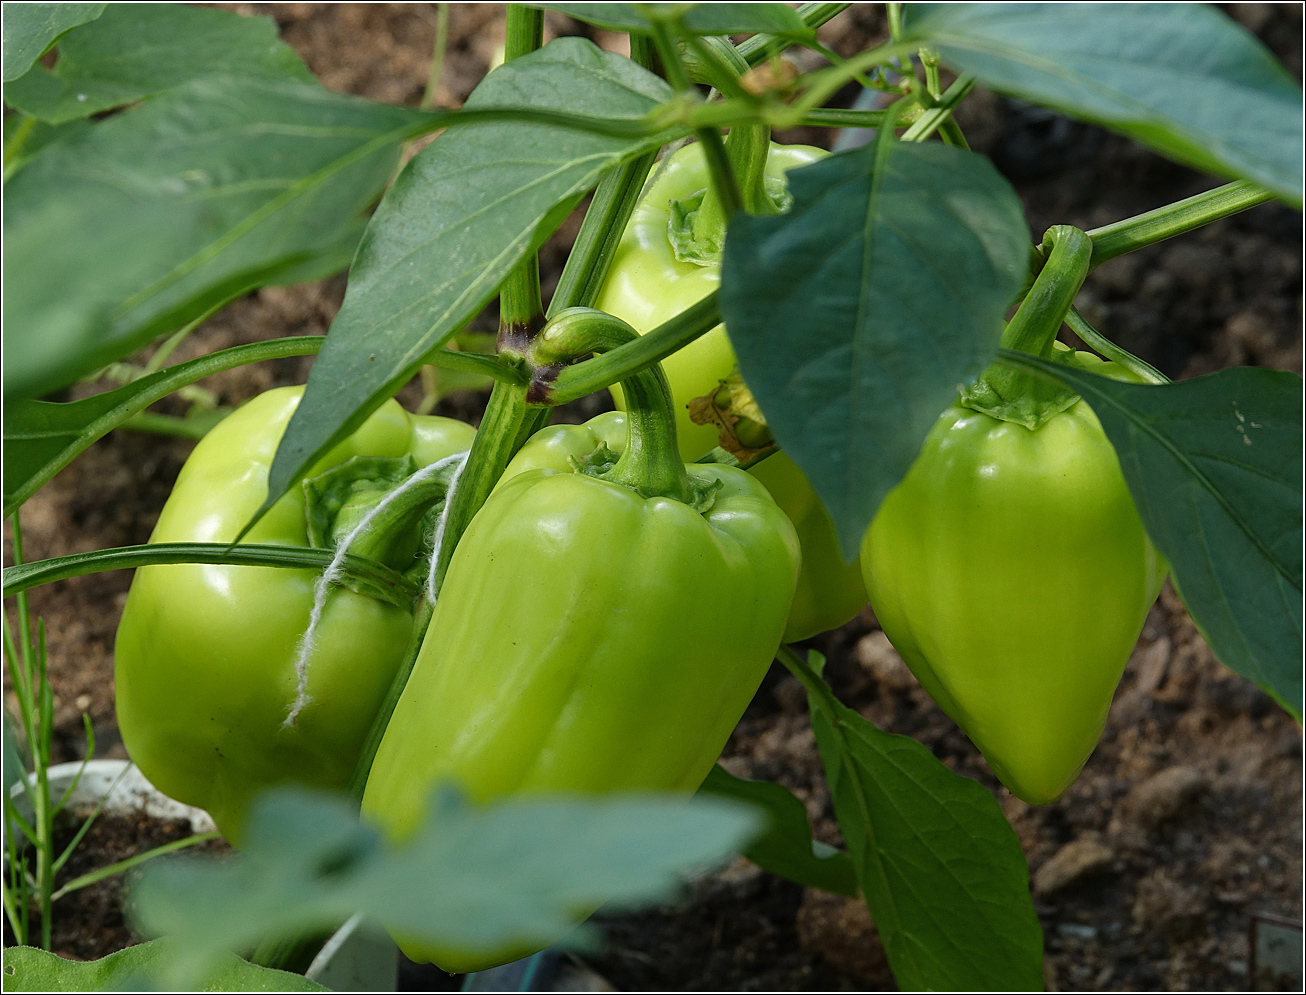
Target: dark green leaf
{"points": [[459, 218], [475, 878], [43, 437], [858, 314], [28, 969], [786, 847], [138, 50], [31, 28], [158, 215], [1181, 78], [699, 19], [942, 870], [1215, 468]]}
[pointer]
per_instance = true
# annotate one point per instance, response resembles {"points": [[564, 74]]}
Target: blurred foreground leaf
{"points": [[27, 969], [474, 878], [31, 28]]}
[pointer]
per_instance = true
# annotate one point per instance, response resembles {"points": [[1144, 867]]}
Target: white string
{"points": [[334, 570], [442, 522]]}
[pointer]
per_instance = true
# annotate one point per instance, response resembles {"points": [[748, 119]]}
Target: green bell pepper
{"points": [[205, 654], [648, 285], [603, 625], [1010, 570]]}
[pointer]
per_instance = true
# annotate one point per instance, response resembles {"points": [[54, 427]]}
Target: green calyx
{"points": [[602, 461], [693, 241], [351, 495], [1020, 397]]}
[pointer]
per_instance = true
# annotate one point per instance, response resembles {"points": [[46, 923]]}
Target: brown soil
{"points": [[90, 922], [1187, 819]]}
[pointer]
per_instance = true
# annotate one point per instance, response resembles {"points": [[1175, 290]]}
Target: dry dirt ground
{"points": [[1187, 819]]}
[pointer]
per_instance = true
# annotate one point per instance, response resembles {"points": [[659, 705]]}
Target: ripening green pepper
{"points": [[603, 624], [1010, 570], [648, 285], [205, 654]]}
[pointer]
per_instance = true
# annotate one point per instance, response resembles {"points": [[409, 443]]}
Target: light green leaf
{"points": [[158, 215], [138, 50], [460, 217], [31, 28]]}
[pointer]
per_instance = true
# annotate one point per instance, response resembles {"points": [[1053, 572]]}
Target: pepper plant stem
{"points": [[358, 779], [1175, 219], [585, 378], [611, 207], [1036, 323], [492, 448], [747, 146], [521, 312], [651, 462], [1122, 357], [37, 714], [934, 117], [757, 48], [723, 197], [25, 576]]}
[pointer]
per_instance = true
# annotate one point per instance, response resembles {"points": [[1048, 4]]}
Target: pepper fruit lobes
{"points": [[587, 639], [646, 286], [205, 654], [1011, 571]]}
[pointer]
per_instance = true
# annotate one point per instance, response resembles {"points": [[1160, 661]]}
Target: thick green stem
{"points": [[747, 146], [895, 20], [358, 780], [521, 311], [1035, 325], [724, 187], [759, 47], [491, 449], [1175, 219], [651, 462], [575, 382], [14, 147], [605, 221], [935, 117]]}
